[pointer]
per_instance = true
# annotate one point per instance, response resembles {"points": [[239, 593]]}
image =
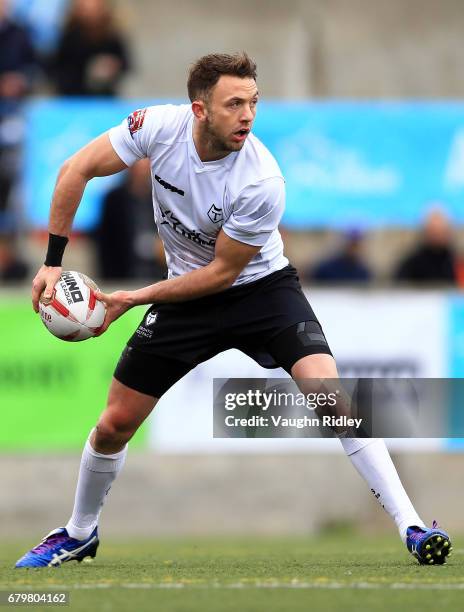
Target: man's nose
{"points": [[247, 114]]}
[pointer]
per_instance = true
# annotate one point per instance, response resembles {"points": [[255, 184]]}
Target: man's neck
{"points": [[204, 145]]}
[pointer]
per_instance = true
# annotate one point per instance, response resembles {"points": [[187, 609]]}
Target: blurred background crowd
{"points": [[81, 50]]}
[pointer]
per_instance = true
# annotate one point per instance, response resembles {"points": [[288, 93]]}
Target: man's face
{"points": [[230, 112]]}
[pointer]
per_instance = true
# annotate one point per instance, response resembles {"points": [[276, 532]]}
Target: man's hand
{"points": [[116, 303], [46, 278]]}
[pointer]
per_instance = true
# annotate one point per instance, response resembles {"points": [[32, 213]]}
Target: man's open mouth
{"points": [[241, 134]]}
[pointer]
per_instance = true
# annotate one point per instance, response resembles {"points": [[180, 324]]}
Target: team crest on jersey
{"points": [[215, 214], [151, 318], [135, 120]]}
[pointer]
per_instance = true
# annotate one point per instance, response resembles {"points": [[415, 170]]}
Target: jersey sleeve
{"points": [[257, 212], [132, 139]]}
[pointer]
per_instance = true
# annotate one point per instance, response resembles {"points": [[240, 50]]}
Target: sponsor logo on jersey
{"points": [[135, 120], [215, 214], [194, 235], [168, 186], [71, 289], [151, 318]]}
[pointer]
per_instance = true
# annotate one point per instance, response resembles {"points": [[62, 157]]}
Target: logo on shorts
{"points": [[215, 214], [151, 318]]}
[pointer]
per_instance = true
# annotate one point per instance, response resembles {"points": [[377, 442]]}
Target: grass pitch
{"points": [[335, 572]]}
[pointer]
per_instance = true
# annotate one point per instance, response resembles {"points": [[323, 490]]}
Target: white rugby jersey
{"points": [[243, 193]]}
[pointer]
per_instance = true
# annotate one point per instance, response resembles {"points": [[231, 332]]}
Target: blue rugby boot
{"points": [[58, 547], [429, 546]]}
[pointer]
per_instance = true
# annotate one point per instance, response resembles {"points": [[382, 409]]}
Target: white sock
{"points": [[372, 460], [96, 474]]}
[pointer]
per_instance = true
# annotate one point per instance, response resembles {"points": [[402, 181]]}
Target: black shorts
{"points": [[269, 319]]}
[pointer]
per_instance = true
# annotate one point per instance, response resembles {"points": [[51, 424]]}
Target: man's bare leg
{"points": [[369, 455], [104, 454]]}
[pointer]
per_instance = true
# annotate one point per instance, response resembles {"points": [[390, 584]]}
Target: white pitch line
{"points": [[396, 586]]}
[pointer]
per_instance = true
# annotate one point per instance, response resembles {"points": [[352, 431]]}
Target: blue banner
{"points": [[57, 129], [346, 163]]}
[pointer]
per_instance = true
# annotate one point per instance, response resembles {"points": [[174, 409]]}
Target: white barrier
{"points": [[382, 334]]}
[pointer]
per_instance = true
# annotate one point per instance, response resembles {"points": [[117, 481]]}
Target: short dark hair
{"points": [[205, 72]]}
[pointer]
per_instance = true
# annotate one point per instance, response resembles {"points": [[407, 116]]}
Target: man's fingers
{"points": [[106, 299], [36, 288], [49, 291], [103, 297], [46, 278], [35, 302], [104, 326]]}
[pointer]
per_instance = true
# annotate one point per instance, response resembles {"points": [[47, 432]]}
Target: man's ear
{"points": [[199, 110]]}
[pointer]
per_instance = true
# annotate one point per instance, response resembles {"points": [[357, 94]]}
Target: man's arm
{"points": [[98, 158], [229, 260]]}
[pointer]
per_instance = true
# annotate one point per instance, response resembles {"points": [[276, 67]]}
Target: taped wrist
{"points": [[55, 251]]}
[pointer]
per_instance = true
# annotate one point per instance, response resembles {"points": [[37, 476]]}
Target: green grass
{"points": [[341, 572]]}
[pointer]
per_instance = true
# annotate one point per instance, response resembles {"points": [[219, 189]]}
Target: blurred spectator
{"points": [[91, 55], [434, 259], [127, 244], [12, 268], [344, 266], [17, 67], [43, 19], [17, 58]]}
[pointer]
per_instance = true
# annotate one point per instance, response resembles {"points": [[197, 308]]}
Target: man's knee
{"points": [[125, 412], [114, 429], [110, 431]]}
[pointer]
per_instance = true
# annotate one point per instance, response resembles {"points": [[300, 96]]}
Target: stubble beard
{"points": [[217, 143]]}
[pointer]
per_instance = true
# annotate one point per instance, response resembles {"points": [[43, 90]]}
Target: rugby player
{"points": [[218, 196]]}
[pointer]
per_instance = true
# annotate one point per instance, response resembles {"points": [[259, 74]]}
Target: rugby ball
{"points": [[73, 313]]}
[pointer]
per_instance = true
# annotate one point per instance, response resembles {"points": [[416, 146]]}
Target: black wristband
{"points": [[56, 247]]}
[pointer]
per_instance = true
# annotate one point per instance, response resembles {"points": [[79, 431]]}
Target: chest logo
{"points": [[215, 214], [168, 186]]}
